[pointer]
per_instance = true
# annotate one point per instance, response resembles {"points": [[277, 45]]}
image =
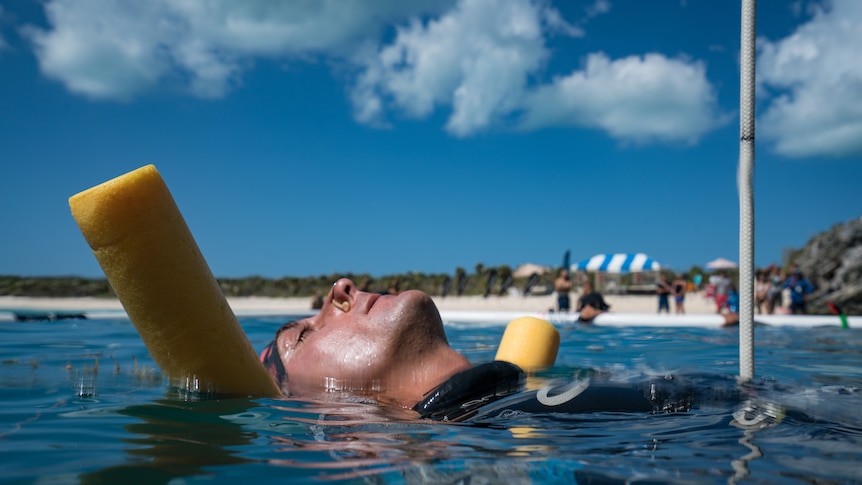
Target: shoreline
{"points": [[626, 310], [694, 304]]}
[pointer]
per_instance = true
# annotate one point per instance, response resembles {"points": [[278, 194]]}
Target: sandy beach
{"points": [[695, 304]]}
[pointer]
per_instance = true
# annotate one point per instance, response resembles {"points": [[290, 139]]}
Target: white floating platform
{"points": [[646, 319], [495, 318]]}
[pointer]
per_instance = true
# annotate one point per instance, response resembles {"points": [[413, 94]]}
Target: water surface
{"points": [[82, 402]]}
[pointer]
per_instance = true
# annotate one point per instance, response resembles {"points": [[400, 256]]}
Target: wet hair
{"points": [[271, 360]]}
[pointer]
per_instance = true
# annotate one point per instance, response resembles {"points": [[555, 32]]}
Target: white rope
{"points": [[746, 194]]}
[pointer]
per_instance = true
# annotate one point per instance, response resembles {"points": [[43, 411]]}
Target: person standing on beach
{"points": [[663, 291], [731, 316], [563, 285], [316, 300], [774, 300], [800, 290], [761, 290], [678, 289], [722, 291]]}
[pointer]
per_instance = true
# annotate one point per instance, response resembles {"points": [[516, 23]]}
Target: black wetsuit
{"points": [[489, 390]]}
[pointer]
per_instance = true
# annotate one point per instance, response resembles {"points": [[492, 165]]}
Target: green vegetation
{"points": [[71, 286], [433, 284], [475, 283]]}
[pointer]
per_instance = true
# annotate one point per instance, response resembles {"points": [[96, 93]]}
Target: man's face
{"points": [[368, 343]]}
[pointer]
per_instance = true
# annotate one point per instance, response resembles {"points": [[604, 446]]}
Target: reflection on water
{"points": [[83, 402], [358, 440], [177, 439]]}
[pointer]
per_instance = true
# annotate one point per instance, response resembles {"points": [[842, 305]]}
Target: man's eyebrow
{"points": [[288, 325]]}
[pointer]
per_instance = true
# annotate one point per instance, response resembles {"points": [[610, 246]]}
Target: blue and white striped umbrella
{"points": [[618, 263]]}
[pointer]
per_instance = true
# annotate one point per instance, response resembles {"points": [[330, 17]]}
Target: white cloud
{"points": [[115, 49], [814, 77], [557, 24], [598, 7], [112, 54], [644, 99], [479, 57], [476, 58]]}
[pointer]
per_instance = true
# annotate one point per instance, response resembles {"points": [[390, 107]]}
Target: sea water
{"points": [[81, 401]]}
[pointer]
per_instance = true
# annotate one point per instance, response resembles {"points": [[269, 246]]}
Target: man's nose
{"points": [[344, 290]]}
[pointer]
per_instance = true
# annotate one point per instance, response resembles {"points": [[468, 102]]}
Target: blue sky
{"points": [[308, 138]]}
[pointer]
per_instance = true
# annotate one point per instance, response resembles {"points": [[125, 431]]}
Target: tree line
{"points": [[481, 281]]}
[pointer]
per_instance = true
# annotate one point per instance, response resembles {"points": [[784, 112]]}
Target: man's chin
{"points": [[416, 306], [424, 301]]}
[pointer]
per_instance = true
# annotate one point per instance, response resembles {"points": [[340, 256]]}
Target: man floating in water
{"points": [[393, 349]]}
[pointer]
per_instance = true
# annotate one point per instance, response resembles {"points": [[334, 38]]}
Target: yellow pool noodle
{"points": [[153, 263], [529, 343]]}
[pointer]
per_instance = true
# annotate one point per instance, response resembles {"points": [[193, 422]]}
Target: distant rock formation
{"points": [[832, 261]]}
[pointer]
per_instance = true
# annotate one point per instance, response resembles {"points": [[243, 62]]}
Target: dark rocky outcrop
{"points": [[832, 261]]}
